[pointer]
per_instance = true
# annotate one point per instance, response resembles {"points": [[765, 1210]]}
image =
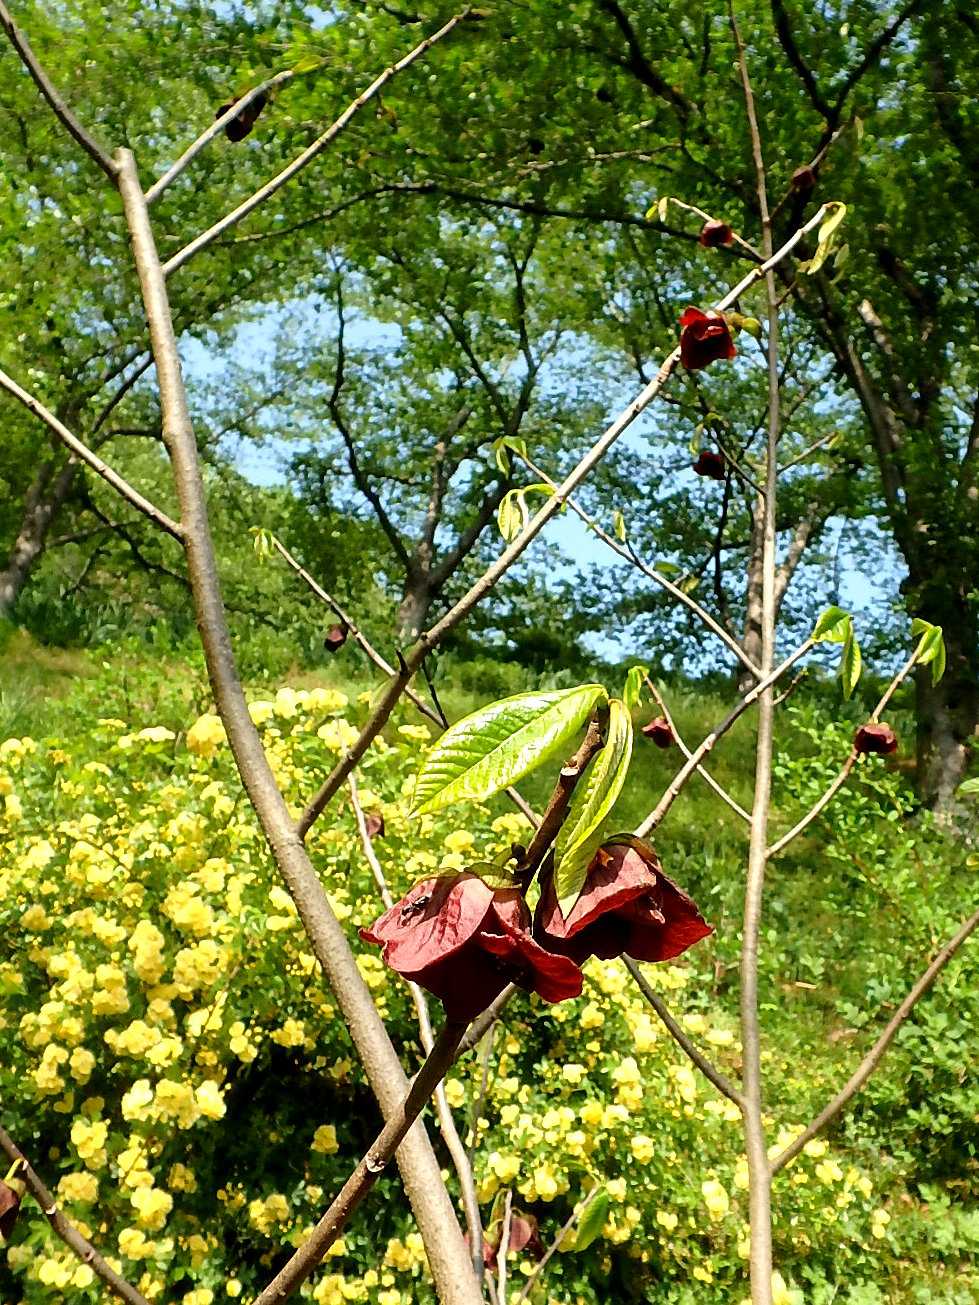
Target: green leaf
{"points": [[667, 568], [931, 647], [593, 1219], [500, 744], [658, 209], [827, 232], [831, 626], [501, 456], [618, 525], [970, 786], [633, 685], [851, 663], [512, 514], [580, 835], [308, 63], [494, 876]]}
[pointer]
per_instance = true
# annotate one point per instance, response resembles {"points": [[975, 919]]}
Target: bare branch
{"points": [[50, 92], [702, 771], [450, 1134], [84, 454], [548, 1255], [332, 132], [706, 1067], [432, 637], [876, 1053], [301, 1265], [827, 797], [65, 1229]]}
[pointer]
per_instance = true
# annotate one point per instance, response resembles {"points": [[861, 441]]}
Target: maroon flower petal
{"points": [[704, 338], [553, 977], [9, 1209], [715, 233], [658, 730], [710, 464], [429, 924], [875, 738]]}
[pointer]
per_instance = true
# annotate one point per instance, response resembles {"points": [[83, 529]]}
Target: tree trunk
{"points": [[947, 712], [414, 608], [45, 499]]}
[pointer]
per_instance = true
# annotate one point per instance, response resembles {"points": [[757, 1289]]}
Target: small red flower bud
{"points": [[242, 123], [716, 233], [803, 178], [875, 738], [659, 731], [335, 638], [704, 338], [375, 825], [710, 464]]}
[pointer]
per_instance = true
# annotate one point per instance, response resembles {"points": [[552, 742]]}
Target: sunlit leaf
{"points": [[593, 799], [500, 744], [593, 1219], [632, 691], [618, 525], [851, 663], [831, 626]]}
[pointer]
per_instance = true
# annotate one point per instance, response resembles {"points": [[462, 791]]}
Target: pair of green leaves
{"points": [[836, 626], [835, 213], [502, 743], [513, 515]]}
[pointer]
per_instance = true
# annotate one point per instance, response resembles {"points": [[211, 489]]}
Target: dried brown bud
{"points": [[242, 123], [803, 178], [335, 638], [375, 825]]}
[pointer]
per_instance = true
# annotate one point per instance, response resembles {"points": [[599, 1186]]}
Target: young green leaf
{"points": [[592, 1220], [851, 663], [501, 456], [500, 744], [512, 514], [970, 786], [580, 836], [618, 525], [831, 626], [827, 232], [632, 691]]}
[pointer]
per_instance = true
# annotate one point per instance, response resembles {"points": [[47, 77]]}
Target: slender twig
{"points": [[702, 771], [50, 92], [218, 125], [436, 715], [736, 466], [426, 1190], [485, 1056], [706, 1067], [630, 555], [298, 1268], [432, 637], [801, 457], [793, 684], [876, 1052], [450, 1134], [84, 454], [759, 1178], [483, 1023], [549, 1254], [65, 1229], [504, 1246], [707, 217], [332, 132], [655, 817], [824, 800]]}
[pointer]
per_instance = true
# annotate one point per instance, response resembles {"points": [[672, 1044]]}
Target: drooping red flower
{"points": [[9, 1209], [627, 905], [242, 123], [704, 338], [875, 738], [715, 233], [804, 178], [374, 823], [659, 731], [335, 638], [710, 464], [465, 941], [524, 1236]]}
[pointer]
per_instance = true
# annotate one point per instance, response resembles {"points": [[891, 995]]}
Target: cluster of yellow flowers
{"points": [[159, 981]]}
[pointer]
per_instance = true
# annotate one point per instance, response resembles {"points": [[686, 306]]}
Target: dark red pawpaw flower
{"points": [[715, 233], [627, 905], [659, 731], [804, 178], [875, 738], [465, 941], [9, 1208], [335, 638], [375, 825], [242, 123], [710, 464], [704, 338], [524, 1236]]}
